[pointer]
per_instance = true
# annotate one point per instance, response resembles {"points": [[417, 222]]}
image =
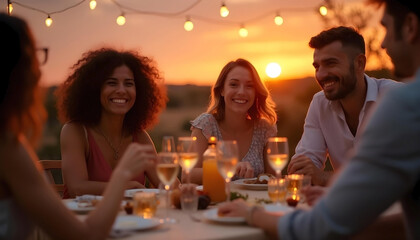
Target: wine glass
{"points": [[168, 144], [227, 159], [188, 154], [167, 171], [277, 155]]}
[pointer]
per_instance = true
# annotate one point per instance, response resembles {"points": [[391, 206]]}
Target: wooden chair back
{"points": [[49, 165]]}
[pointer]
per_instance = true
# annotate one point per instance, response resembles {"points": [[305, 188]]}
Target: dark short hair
{"points": [[79, 96], [348, 36], [398, 9]]}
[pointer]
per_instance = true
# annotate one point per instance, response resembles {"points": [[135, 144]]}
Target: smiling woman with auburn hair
{"points": [[241, 109]]}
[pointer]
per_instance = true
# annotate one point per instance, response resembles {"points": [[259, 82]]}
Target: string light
{"points": [[224, 11], [188, 25], [48, 21], [92, 4], [278, 20], [323, 10], [10, 8], [121, 19], [243, 32]]}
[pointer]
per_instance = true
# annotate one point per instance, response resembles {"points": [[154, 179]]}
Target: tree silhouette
{"points": [[340, 14]]}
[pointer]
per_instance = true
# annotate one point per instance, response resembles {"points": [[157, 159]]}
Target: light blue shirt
{"points": [[384, 170], [14, 223], [326, 132]]}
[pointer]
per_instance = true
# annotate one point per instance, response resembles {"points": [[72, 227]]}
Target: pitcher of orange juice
{"points": [[213, 182]]}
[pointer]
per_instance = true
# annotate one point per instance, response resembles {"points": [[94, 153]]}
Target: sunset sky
{"points": [[183, 57]]}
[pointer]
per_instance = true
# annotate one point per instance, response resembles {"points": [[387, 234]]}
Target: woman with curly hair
{"points": [[26, 197], [106, 103], [240, 109]]}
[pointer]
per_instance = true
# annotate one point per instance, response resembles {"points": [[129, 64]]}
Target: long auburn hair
{"points": [[263, 107], [22, 108]]}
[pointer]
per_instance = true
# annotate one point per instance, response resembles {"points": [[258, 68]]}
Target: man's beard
{"points": [[346, 85]]}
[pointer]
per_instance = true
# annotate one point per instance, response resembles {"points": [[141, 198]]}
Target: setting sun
{"points": [[273, 70]]}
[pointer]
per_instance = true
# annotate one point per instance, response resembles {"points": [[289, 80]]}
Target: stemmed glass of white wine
{"points": [[188, 155], [167, 171], [278, 153], [277, 156], [168, 144], [227, 160]]}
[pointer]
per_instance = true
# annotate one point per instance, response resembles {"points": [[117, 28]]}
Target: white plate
{"points": [[130, 192], [212, 216], [241, 182], [199, 188], [74, 206], [130, 223], [277, 208]]}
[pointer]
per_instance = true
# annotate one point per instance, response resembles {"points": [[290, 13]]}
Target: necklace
{"points": [[116, 150]]}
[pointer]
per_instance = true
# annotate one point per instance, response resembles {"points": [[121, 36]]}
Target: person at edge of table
{"points": [[337, 114], [27, 199], [241, 109], [106, 103], [386, 166]]}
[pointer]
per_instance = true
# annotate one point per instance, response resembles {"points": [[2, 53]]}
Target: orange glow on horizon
{"points": [[182, 57]]}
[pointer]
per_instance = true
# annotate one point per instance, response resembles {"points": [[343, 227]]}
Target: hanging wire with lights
{"points": [[48, 20], [130, 10], [188, 24], [243, 31]]}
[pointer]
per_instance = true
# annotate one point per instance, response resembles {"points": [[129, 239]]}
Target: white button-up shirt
{"points": [[326, 133]]}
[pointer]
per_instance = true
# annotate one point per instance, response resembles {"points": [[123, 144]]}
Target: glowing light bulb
{"points": [[121, 20], [278, 20], [92, 4], [224, 11], [243, 32], [10, 8], [323, 10], [188, 25], [48, 21]]}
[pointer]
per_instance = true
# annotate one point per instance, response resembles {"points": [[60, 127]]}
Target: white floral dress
{"points": [[262, 131]]}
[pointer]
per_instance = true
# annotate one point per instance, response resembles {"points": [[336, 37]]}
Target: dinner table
{"points": [[198, 226]]}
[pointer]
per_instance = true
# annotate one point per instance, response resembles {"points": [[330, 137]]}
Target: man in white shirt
{"points": [[386, 166], [336, 114]]}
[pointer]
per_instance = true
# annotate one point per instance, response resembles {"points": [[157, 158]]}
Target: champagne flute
{"points": [[168, 144], [277, 155], [188, 154], [227, 160], [167, 171]]}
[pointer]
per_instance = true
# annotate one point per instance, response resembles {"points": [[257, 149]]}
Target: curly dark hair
{"points": [[78, 98]]}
